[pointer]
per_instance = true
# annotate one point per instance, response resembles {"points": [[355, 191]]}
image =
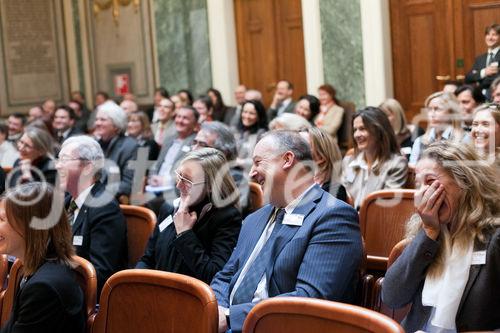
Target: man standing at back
{"points": [[304, 243], [485, 68]]}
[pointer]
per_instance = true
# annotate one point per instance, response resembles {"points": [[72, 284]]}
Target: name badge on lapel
{"points": [[165, 223], [77, 240], [186, 149], [293, 219], [478, 258]]}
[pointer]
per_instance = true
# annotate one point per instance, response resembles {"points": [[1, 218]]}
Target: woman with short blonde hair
{"points": [[449, 271]]}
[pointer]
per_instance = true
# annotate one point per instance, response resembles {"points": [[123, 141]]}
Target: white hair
{"points": [[88, 149], [289, 121], [115, 113]]}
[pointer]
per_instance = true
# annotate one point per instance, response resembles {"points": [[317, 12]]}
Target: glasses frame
{"points": [[186, 181]]}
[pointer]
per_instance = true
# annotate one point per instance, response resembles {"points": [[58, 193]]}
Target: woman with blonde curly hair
{"points": [[449, 270]]}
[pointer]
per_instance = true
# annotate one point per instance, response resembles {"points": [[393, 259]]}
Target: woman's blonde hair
{"points": [[46, 240], [324, 146], [42, 140], [479, 204], [221, 185], [450, 104], [391, 105]]}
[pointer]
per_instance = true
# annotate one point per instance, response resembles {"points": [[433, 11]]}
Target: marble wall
{"points": [[183, 47], [343, 48]]}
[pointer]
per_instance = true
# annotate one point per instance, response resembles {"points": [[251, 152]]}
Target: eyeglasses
{"points": [[64, 159], [21, 144], [200, 144], [186, 181]]}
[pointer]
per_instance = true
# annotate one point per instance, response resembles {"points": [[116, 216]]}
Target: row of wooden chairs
{"points": [[139, 300]]}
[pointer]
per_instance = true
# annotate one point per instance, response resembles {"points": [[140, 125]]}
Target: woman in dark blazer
{"points": [[450, 271], [49, 297], [199, 237], [36, 158]]}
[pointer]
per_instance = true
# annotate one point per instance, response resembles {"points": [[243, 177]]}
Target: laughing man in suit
{"points": [[308, 243]]}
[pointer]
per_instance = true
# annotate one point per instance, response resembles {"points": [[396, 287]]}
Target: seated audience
{"points": [[174, 148], [16, 123], [82, 115], [64, 123], [186, 97], [199, 237], [468, 98], [307, 107], [219, 107], [326, 155], [165, 126], [205, 108], [35, 113], [129, 106], [376, 163], [405, 133], [138, 127], [444, 123], [49, 108], [253, 123], [98, 225], [303, 243], [36, 158], [253, 95], [110, 127], [217, 135], [233, 114], [449, 270], [282, 100], [49, 297], [160, 93], [331, 113], [101, 97], [289, 121], [486, 133], [8, 152], [495, 91]]}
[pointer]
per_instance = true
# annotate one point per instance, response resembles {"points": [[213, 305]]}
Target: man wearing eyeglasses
{"points": [[98, 225]]}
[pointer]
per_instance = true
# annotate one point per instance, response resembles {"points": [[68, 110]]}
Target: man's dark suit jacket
{"points": [[44, 164], [101, 229], [122, 149], [474, 75], [200, 252], [273, 113], [50, 301], [479, 307]]}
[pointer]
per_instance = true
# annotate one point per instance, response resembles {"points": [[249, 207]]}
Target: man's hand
{"points": [[491, 70], [222, 320]]}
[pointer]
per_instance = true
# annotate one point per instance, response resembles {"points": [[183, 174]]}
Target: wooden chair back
{"points": [[304, 315], [141, 222], [141, 300], [256, 199], [382, 217]]}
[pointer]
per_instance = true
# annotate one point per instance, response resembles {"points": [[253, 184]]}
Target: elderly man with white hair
{"points": [[98, 226], [110, 126]]}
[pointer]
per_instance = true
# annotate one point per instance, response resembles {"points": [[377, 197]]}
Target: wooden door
{"points": [[421, 49], [434, 41], [270, 45]]}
